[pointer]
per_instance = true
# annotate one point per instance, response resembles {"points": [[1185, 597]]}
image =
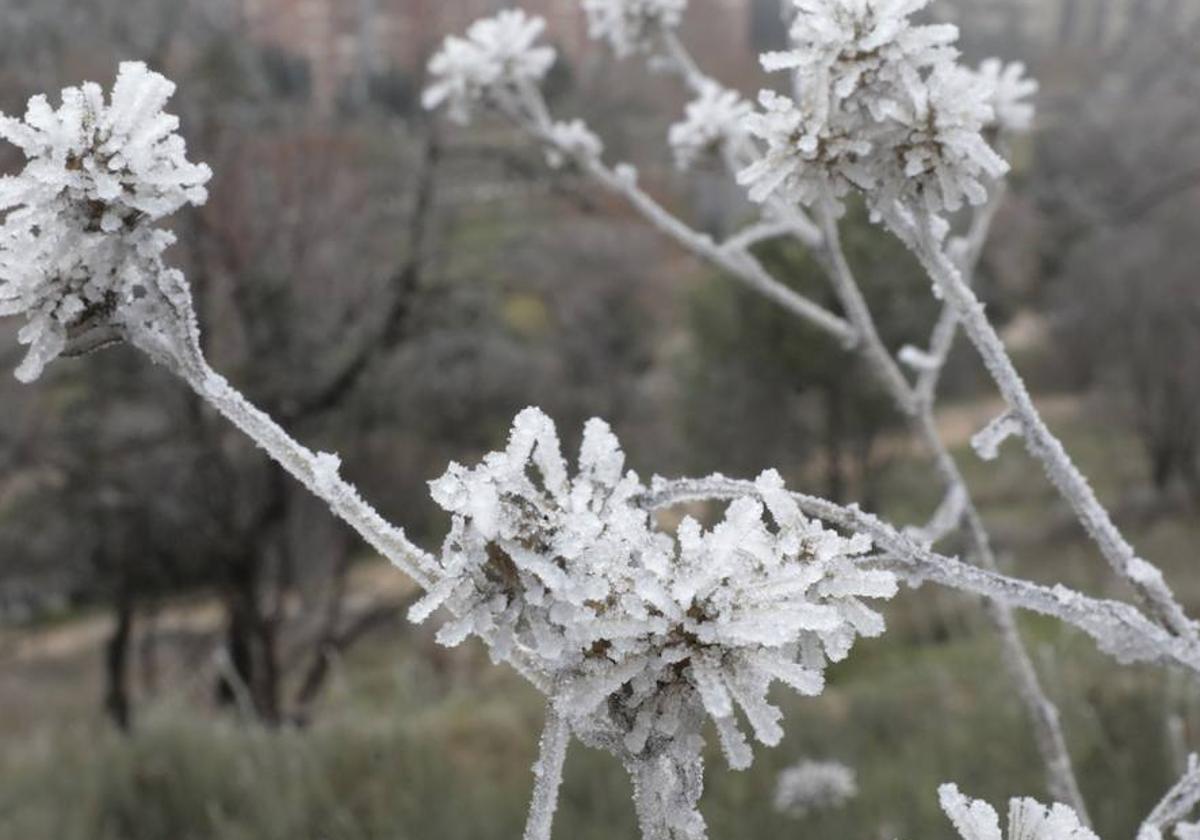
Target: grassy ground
{"points": [[413, 744]]}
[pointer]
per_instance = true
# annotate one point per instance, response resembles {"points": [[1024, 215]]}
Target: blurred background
{"points": [[190, 647]]}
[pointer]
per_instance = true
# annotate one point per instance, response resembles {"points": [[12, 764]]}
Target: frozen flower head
{"points": [[814, 786], [498, 55], [941, 147], [800, 160], [637, 633], [1011, 90], [880, 107], [843, 47], [1028, 819], [713, 120], [79, 246], [632, 26]]}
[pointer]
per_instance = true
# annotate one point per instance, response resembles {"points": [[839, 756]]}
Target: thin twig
{"points": [[308, 468], [1175, 805], [1120, 630], [1145, 578]]}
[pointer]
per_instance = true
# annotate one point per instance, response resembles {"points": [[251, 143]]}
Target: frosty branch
{"points": [[718, 120], [641, 637]]}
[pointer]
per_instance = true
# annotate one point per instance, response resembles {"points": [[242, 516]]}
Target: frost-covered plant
{"points": [[809, 786], [940, 144], [639, 634], [1028, 819], [800, 162], [497, 55], [79, 246], [1011, 92], [1175, 806], [713, 120], [880, 107], [631, 26]]}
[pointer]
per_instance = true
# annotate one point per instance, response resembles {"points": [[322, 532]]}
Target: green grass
{"points": [[403, 751]]}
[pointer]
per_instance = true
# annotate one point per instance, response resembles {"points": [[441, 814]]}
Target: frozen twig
{"points": [[945, 520], [946, 329], [316, 471], [877, 355], [621, 181], [757, 233], [547, 773], [987, 441], [1145, 578], [960, 507], [739, 263], [1175, 805], [1119, 629]]}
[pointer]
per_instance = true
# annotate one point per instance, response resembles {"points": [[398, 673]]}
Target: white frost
{"points": [[713, 120], [881, 106], [1028, 819], [642, 634], [631, 26], [79, 246], [1011, 91], [987, 441], [497, 55]]}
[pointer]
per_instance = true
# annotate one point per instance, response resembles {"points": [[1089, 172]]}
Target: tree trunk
{"points": [[251, 645], [835, 444], [1162, 468], [116, 662]]}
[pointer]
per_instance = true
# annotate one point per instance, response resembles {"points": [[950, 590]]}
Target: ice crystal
{"points": [[881, 106], [630, 26], [713, 119], [78, 246], [497, 55], [1027, 819], [641, 633], [814, 786]]}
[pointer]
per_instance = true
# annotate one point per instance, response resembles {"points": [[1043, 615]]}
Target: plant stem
{"points": [[548, 773], [1146, 580], [1048, 734]]}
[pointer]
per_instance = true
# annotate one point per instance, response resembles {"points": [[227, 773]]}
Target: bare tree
{"points": [[1120, 180]]}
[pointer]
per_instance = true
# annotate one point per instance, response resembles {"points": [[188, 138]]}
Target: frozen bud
{"points": [[79, 250], [498, 55], [1011, 90], [631, 26], [1028, 819], [713, 120]]}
